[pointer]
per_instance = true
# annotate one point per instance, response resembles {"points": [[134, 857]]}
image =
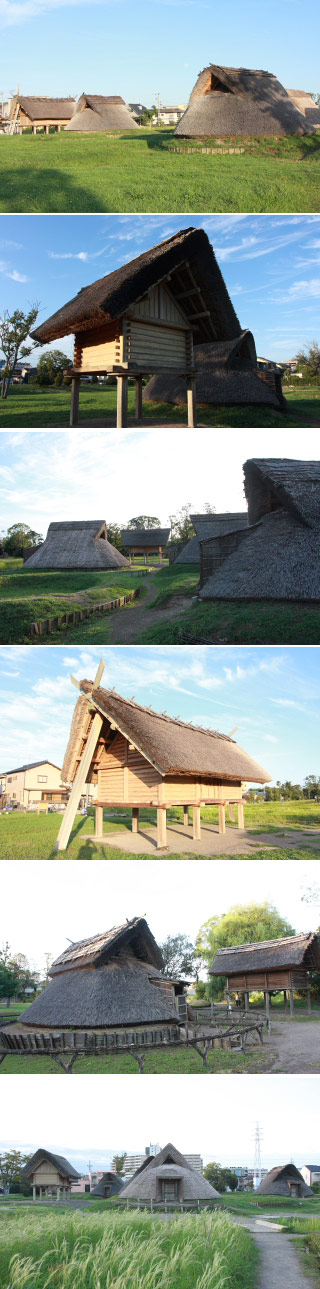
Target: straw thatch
{"points": [[207, 526], [306, 105], [109, 1184], [66, 1170], [46, 109], [283, 1180], [77, 544], [292, 951], [111, 296], [145, 537], [278, 556], [172, 746], [226, 374], [168, 1165], [239, 100], [100, 112], [112, 979]]}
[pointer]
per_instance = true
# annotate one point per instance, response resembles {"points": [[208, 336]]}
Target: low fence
{"points": [[215, 152], [65, 1047], [46, 625]]}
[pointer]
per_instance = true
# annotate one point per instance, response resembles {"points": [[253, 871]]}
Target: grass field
{"points": [[32, 836], [38, 406], [29, 597], [139, 171], [124, 1251], [169, 1061], [234, 621]]}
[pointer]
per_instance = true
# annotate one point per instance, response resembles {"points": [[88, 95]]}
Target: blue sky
{"points": [[271, 265], [49, 475], [272, 694], [117, 47]]}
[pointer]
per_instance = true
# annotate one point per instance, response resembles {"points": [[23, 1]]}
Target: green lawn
{"points": [[31, 836], [43, 406], [140, 172], [169, 1061], [30, 597], [238, 622]]}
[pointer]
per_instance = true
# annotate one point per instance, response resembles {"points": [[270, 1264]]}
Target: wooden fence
{"points": [[65, 1047], [46, 625]]}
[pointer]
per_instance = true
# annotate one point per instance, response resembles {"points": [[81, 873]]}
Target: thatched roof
{"points": [[172, 746], [277, 1182], [239, 100], [113, 979], [145, 536], [59, 1162], [77, 544], [169, 1164], [50, 109], [113, 1180], [305, 104], [278, 557], [100, 112], [113, 295], [291, 951], [226, 374], [209, 526]]}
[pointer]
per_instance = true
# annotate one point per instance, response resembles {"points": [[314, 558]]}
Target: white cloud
{"points": [[14, 12], [69, 255]]}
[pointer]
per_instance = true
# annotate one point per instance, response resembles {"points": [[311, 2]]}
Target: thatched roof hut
{"points": [[306, 105], [95, 112], [277, 557], [168, 1177], [141, 757], [110, 1184], [227, 373], [145, 541], [50, 1173], [109, 981], [270, 966], [285, 1180], [207, 526], [77, 544], [238, 100], [38, 111]]}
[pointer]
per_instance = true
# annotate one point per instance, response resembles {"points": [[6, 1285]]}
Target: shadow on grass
{"points": [[31, 189]]}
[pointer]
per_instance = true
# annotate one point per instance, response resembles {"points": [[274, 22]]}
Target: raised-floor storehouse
{"points": [[270, 967], [145, 542], [51, 1176]]}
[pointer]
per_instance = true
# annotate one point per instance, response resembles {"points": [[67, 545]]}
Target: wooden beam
{"points": [[79, 783], [186, 816], [99, 821], [75, 395], [99, 674], [122, 402], [291, 997], [161, 828], [222, 818], [240, 814], [196, 830], [231, 811], [135, 819], [192, 406], [139, 398]]}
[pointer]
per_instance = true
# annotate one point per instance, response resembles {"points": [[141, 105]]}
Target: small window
{"points": [[42, 778]]}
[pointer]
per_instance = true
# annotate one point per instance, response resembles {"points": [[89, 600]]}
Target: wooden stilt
{"points": [[267, 1003], [191, 396], [122, 402], [161, 827], [308, 1000], [185, 816], [99, 821], [222, 818], [75, 395], [196, 831], [246, 1001], [138, 398], [240, 814], [135, 819], [231, 812], [79, 783], [291, 996]]}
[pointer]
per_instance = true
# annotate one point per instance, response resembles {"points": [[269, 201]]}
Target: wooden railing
{"points": [[65, 1047]]}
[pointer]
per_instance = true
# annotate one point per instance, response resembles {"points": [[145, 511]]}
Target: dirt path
{"points": [[297, 1046], [128, 623], [279, 1259]]}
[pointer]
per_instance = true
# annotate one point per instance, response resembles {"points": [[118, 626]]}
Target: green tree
{"points": [[179, 957], [114, 536], [144, 521], [221, 1178], [309, 359], [118, 1163], [181, 525], [19, 538], [14, 331], [243, 924], [52, 364], [9, 982], [311, 787], [11, 1164]]}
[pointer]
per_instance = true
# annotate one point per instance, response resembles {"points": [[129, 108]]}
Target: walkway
{"points": [[279, 1260], [213, 845]]}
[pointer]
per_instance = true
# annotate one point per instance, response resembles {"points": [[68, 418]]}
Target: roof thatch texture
{"points": [[100, 112], [113, 979], [278, 558], [77, 544], [108, 1179], [239, 100], [59, 1162], [291, 951], [50, 109], [113, 295], [305, 104], [145, 536], [209, 526], [169, 1164], [277, 1182], [226, 374], [172, 746]]}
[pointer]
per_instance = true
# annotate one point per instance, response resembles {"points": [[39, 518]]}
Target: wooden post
{"points": [[34, 1195], [291, 1002], [231, 812], [191, 396], [122, 402], [240, 814], [186, 816], [138, 398], [285, 999], [246, 1000], [267, 1002], [196, 831], [161, 828], [75, 394], [308, 999], [79, 783], [135, 819], [99, 821], [46, 129], [222, 818]]}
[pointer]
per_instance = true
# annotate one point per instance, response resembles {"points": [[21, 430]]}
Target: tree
{"points": [[181, 525], [208, 509], [243, 924], [118, 1163], [311, 787], [179, 957], [9, 982], [11, 1164], [50, 365], [114, 536], [19, 538], [221, 1178], [144, 521], [14, 331], [309, 359]]}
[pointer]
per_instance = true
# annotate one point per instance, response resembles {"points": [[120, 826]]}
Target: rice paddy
{"points": [[123, 1251]]}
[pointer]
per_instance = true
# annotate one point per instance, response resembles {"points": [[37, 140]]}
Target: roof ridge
{"points": [[163, 716], [256, 944]]}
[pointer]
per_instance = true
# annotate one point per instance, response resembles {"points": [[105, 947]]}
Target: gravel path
{"points": [[128, 623], [279, 1260], [297, 1044]]}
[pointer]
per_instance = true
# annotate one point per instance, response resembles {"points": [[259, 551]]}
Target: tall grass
{"points": [[124, 1251]]}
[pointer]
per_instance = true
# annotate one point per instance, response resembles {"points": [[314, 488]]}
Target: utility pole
{"points": [[257, 1156]]}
